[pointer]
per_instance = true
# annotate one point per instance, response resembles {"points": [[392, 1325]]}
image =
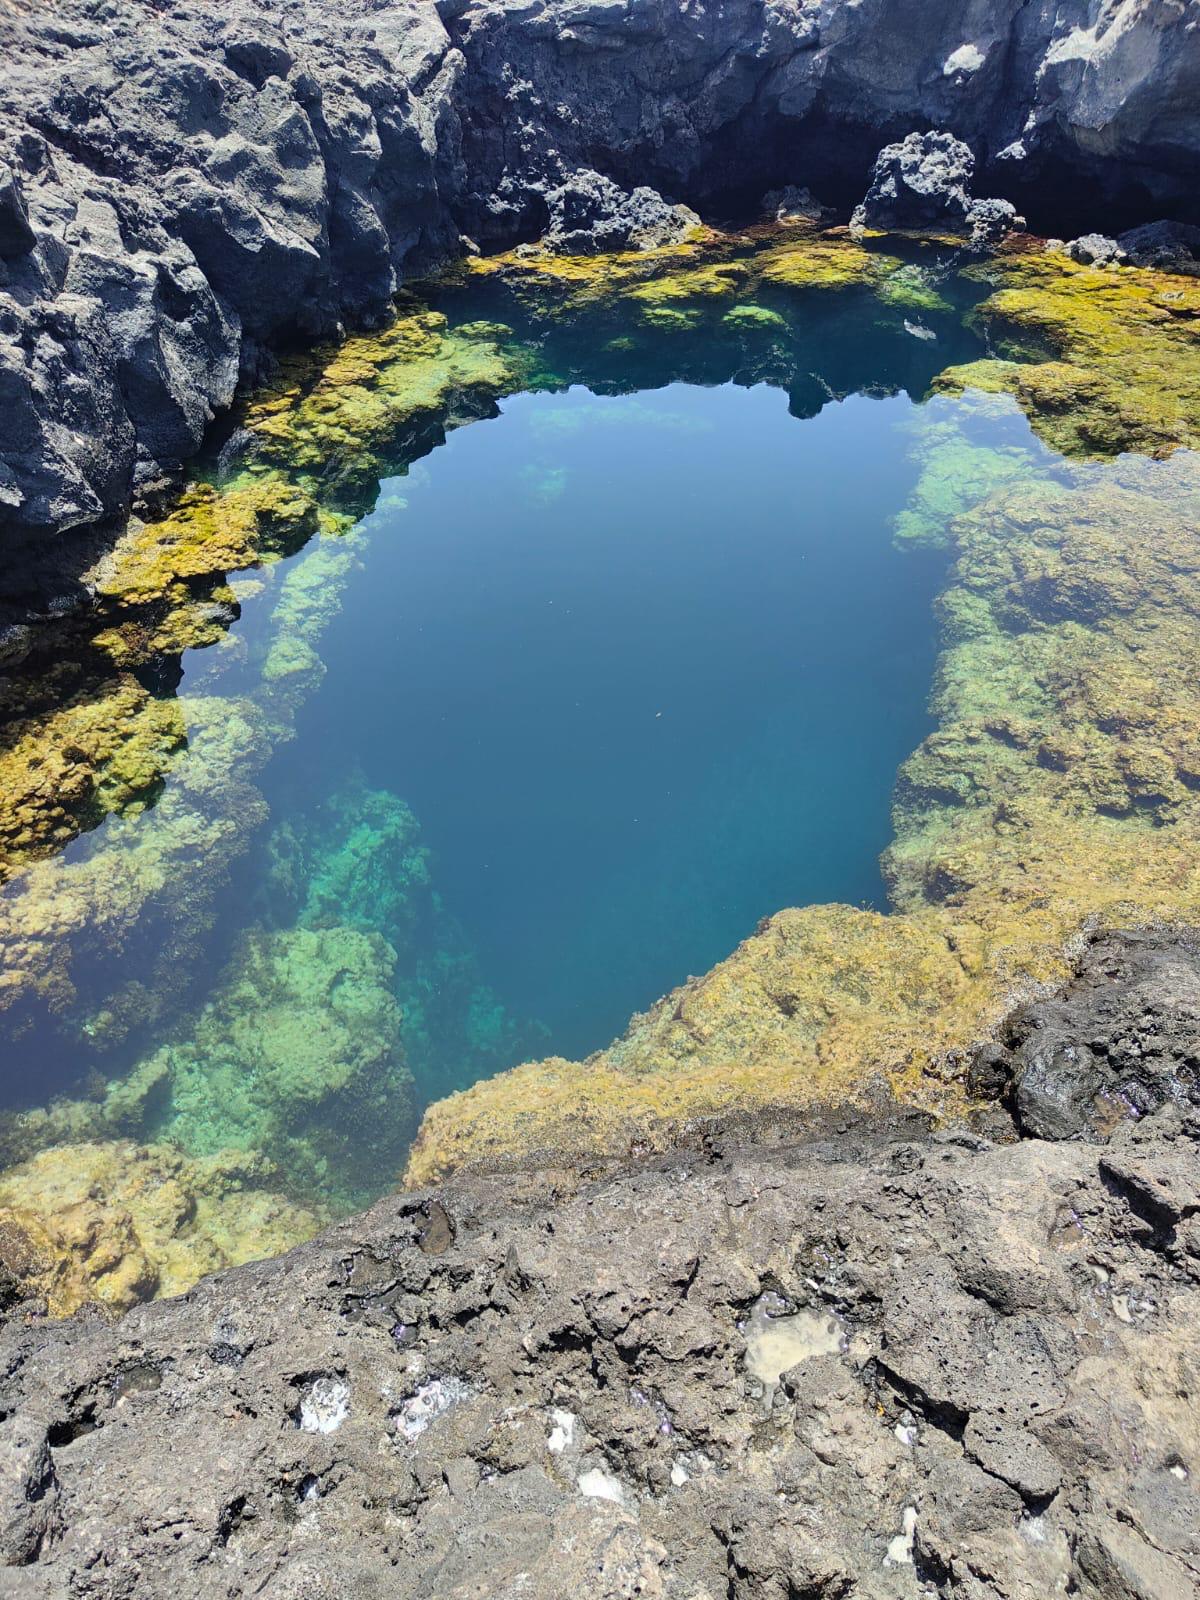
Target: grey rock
{"points": [[590, 213], [1012, 1454], [1120, 1042], [1169, 246], [921, 182], [16, 236], [924, 182], [538, 1383], [28, 1491], [991, 221], [1096, 249], [196, 185]]}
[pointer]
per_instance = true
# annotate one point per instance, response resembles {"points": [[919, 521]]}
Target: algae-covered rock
{"points": [[118, 1222], [297, 1055], [1100, 360], [357, 860], [78, 746]]}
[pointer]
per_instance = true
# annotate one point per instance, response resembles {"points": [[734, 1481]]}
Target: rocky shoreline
{"points": [[182, 189], [868, 1359], [650, 1347]]}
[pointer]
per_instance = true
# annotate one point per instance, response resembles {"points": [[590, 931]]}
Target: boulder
{"points": [[924, 183], [1096, 250], [589, 213], [921, 182], [1166, 246]]}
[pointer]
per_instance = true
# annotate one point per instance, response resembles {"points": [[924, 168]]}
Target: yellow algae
{"points": [[348, 405], [78, 748], [1104, 359], [117, 1222], [819, 262]]}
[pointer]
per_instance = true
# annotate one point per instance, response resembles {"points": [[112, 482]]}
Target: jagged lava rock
{"points": [[865, 1359], [185, 185]]}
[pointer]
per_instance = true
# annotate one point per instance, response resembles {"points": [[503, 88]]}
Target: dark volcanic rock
{"points": [[183, 184], [1095, 249], [590, 213], [924, 181], [881, 1363], [1169, 246], [1120, 1042], [197, 181]]}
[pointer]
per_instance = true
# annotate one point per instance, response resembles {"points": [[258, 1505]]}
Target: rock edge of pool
{"points": [[849, 1356], [864, 1266]]}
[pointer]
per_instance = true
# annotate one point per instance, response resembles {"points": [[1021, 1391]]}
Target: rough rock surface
{"points": [[869, 1362], [1096, 249], [182, 184], [1168, 246], [924, 181], [589, 212]]}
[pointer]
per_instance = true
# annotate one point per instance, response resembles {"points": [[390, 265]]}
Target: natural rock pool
{"points": [[641, 669], [399, 752]]}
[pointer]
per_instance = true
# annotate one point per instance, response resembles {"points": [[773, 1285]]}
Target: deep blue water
{"points": [[644, 669]]}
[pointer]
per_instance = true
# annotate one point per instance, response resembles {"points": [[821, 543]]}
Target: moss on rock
{"points": [[1101, 359], [117, 1222]]}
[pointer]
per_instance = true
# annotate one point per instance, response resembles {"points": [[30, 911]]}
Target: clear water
{"points": [[643, 667], [598, 683]]}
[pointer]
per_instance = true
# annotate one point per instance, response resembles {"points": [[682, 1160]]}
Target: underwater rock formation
{"points": [[357, 860], [182, 187], [868, 1360], [296, 1055]]}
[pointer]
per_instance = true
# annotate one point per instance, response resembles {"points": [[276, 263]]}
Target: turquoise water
{"points": [[642, 668], [592, 685]]}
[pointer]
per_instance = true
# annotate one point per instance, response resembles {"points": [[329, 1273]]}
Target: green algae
{"points": [[297, 1056], [1059, 788], [910, 287], [358, 860], [956, 472], [1101, 360], [753, 319]]}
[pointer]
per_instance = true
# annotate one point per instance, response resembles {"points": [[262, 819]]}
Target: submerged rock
{"points": [[113, 1223]]}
